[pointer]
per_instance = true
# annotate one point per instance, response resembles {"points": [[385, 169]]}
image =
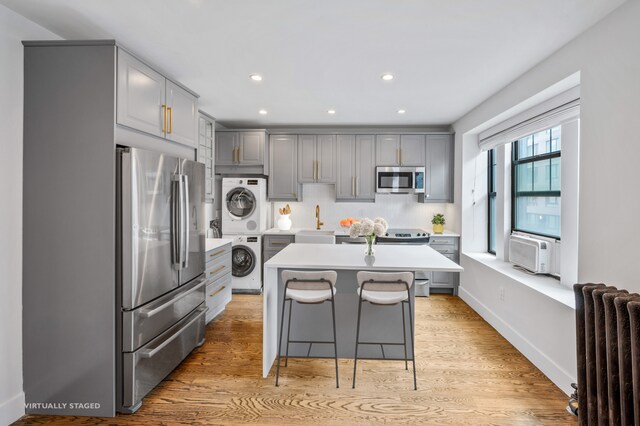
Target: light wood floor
{"points": [[467, 374]]}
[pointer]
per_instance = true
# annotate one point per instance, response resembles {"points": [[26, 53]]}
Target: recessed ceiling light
{"points": [[387, 77], [401, 111], [255, 77], [331, 111], [262, 112]]}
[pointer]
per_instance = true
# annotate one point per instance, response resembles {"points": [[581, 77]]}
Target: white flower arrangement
{"points": [[369, 228]]}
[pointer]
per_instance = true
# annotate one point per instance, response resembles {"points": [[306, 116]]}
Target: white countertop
{"points": [[214, 243], [351, 256], [341, 231]]}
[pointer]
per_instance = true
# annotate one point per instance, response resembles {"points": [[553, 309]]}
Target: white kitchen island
{"points": [[313, 322]]}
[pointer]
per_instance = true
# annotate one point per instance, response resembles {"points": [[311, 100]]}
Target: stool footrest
{"points": [[309, 341], [379, 343]]}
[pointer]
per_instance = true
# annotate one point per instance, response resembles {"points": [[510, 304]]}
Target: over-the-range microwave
{"points": [[400, 180]]}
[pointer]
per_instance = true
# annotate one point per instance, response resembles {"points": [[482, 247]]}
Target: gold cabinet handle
{"points": [[279, 243], [217, 291], [353, 186], [401, 157], [234, 154], [239, 154], [164, 118], [218, 270], [170, 119], [357, 185], [318, 170], [398, 156], [217, 253]]}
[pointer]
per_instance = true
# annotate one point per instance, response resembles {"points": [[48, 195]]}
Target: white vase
{"points": [[284, 222]]}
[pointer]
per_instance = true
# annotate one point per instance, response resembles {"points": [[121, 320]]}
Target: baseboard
{"points": [[549, 368], [12, 409]]}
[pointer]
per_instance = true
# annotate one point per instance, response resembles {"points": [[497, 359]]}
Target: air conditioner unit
{"points": [[530, 253]]}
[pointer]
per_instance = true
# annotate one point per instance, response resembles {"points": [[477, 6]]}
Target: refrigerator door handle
{"points": [[176, 220], [185, 221]]}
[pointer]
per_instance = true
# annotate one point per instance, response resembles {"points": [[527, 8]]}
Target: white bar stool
{"points": [[386, 288], [306, 287]]}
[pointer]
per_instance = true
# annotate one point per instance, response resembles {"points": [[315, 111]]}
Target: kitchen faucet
{"points": [[318, 223]]}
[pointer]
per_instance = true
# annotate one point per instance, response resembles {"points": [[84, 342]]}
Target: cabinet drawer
{"points": [[434, 241], [215, 254], [218, 293], [278, 242], [445, 249], [218, 268]]}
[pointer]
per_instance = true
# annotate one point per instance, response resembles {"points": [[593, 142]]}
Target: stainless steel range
{"points": [[414, 236], [411, 236]]}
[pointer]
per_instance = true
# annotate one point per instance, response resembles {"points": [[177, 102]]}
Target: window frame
{"points": [[491, 195], [515, 161]]}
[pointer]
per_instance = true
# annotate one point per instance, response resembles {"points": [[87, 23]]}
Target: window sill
{"points": [[548, 286]]}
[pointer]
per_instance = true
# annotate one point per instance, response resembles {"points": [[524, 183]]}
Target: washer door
{"points": [[243, 261], [241, 203]]}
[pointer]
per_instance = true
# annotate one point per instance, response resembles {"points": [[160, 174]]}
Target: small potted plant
{"points": [[438, 223]]}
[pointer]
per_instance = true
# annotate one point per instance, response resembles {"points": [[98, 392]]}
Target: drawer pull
{"points": [[217, 291], [217, 253], [218, 270], [149, 353], [279, 243], [146, 313]]}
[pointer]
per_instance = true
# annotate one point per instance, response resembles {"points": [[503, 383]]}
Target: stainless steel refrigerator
{"points": [[160, 229]]}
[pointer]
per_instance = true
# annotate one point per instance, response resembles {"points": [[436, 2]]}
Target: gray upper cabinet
{"points": [[226, 144], [140, 96], [205, 152], [356, 159], [316, 158], [439, 169], [365, 168], [240, 148], [182, 109], [388, 150], [251, 148], [400, 150], [149, 102], [283, 179], [412, 150]]}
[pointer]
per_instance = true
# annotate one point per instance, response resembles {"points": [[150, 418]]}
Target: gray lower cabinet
{"points": [[439, 169], [218, 276], [316, 158], [149, 102], [240, 148], [449, 247], [206, 131], [283, 178], [356, 159], [272, 244]]}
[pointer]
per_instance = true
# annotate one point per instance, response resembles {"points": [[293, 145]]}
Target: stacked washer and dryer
{"points": [[245, 211]]}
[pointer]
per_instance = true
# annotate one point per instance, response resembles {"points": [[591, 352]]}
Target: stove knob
{"points": [[424, 235], [386, 234]]}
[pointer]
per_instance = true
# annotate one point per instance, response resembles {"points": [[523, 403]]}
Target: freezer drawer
{"points": [[146, 367], [145, 323]]}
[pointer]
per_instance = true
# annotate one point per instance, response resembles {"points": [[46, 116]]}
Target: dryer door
{"points": [[243, 261], [241, 203]]}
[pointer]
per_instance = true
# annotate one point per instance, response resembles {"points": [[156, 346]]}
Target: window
{"points": [[491, 191], [536, 183]]}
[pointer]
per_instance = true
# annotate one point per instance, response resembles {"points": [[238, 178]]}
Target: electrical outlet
{"points": [[502, 293]]}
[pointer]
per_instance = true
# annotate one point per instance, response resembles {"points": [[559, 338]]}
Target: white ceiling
{"points": [[447, 55]]}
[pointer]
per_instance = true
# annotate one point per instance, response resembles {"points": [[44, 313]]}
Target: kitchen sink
{"points": [[314, 236]]}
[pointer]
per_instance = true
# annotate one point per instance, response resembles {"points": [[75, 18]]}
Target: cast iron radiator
{"points": [[608, 346]]}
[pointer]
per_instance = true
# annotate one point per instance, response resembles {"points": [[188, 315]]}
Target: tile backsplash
{"points": [[400, 210]]}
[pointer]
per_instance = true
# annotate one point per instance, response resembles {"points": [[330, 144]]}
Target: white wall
{"points": [[13, 29], [400, 210], [608, 59]]}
